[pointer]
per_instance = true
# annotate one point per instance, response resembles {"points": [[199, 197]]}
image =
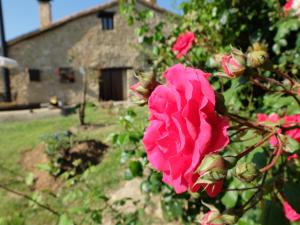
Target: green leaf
{"points": [[260, 159], [291, 145], [231, 197], [29, 180], [136, 168], [65, 220]]}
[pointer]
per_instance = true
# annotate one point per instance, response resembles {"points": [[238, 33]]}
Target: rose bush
{"points": [[251, 81]]}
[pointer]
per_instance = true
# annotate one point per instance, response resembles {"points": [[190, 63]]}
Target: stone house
{"points": [[96, 43]]}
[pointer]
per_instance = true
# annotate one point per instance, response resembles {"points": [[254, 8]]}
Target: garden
{"points": [[213, 136]]}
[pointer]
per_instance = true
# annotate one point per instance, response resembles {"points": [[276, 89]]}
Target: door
{"points": [[113, 85]]}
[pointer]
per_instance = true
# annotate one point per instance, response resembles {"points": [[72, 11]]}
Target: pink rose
{"points": [[232, 68], [183, 44], [210, 218], [290, 213], [184, 127]]}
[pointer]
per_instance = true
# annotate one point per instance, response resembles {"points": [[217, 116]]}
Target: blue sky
{"points": [[21, 16]]}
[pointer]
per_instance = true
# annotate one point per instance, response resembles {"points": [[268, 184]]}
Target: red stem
{"points": [[278, 153]]}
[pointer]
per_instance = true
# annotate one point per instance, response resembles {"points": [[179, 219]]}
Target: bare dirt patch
{"points": [[42, 179], [89, 152]]}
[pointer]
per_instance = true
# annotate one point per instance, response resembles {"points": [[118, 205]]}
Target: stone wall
{"points": [[78, 43]]}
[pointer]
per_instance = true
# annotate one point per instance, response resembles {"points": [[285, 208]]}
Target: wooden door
{"points": [[113, 85]]}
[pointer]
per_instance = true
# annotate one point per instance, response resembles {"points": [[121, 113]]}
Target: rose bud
{"points": [[229, 219], [147, 83], [212, 169], [246, 171], [234, 65], [257, 59], [212, 217]]}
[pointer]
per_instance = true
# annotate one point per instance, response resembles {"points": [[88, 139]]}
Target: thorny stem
{"points": [[238, 131], [277, 83], [251, 148], [30, 199], [284, 75], [246, 122], [278, 153], [243, 189]]}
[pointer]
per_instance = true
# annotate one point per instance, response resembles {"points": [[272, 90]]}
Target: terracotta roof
{"points": [[81, 14]]}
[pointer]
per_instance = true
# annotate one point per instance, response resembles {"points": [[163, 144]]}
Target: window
{"points": [[107, 20], [34, 75], [65, 74]]}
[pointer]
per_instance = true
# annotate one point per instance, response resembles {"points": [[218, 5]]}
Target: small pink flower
{"points": [[274, 118], [290, 213], [183, 44], [298, 91], [288, 121], [184, 128], [232, 68], [208, 218]]}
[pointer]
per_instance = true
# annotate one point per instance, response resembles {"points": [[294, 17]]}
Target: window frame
{"points": [[107, 20]]}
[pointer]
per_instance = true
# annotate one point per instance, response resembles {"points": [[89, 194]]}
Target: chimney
{"points": [[153, 2], [45, 13]]}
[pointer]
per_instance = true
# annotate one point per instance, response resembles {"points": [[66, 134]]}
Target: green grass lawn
{"points": [[17, 137]]}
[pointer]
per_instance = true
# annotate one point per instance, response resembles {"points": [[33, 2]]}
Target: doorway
{"points": [[113, 85]]}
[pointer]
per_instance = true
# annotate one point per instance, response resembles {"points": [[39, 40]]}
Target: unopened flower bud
{"points": [[147, 83], [213, 216], [246, 171], [257, 59], [212, 169], [234, 65], [229, 219]]}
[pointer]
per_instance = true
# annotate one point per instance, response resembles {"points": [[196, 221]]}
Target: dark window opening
{"points": [[107, 20], [66, 75], [34, 75], [113, 85]]}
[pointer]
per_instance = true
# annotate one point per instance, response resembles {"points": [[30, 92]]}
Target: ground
{"points": [[17, 138], [21, 149]]}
